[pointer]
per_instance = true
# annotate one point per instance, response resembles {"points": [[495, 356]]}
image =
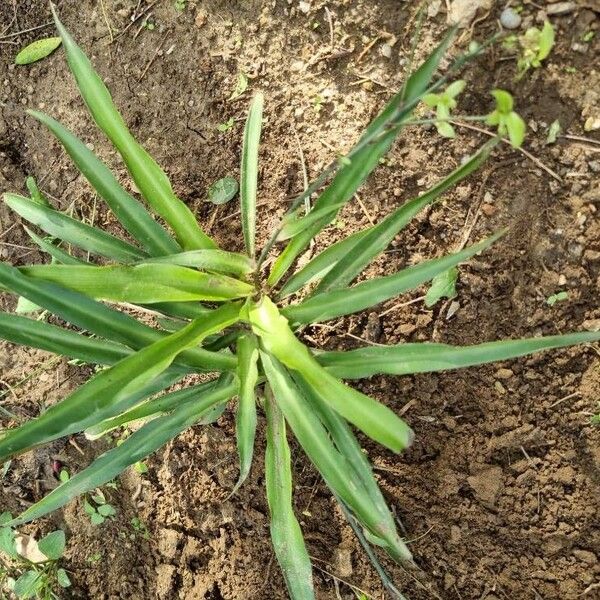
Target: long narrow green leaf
{"points": [[130, 213], [249, 172], [75, 232], [293, 224], [376, 141], [321, 264], [405, 359], [110, 392], [348, 446], [380, 236], [337, 303], [142, 284], [370, 416], [38, 334], [136, 447], [101, 320], [333, 466], [152, 408], [149, 178], [55, 252], [245, 416], [209, 260], [286, 534]]}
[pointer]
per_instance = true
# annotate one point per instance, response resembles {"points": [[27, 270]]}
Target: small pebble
{"points": [[561, 8], [510, 19], [386, 50], [504, 373], [304, 7]]}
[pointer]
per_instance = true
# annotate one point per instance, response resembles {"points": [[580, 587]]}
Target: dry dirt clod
{"points": [[560, 8]]}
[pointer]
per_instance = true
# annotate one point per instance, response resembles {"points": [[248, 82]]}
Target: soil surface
{"points": [[499, 494]]}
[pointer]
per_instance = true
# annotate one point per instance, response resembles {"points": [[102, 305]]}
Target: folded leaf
{"points": [[101, 320], [75, 232], [359, 469], [113, 390], [149, 178], [245, 416], [249, 172], [136, 447], [286, 534], [38, 334], [130, 213], [209, 260], [337, 303], [370, 416], [333, 466], [142, 284], [405, 359]]}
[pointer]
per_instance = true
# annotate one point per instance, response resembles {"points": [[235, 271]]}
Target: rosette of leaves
{"points": [[227, 314]]}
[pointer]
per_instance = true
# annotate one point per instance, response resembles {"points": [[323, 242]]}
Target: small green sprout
{"points": [[240, 87], [317, 103], [100, 510], [140, 528], [94, 558], [30, 570], [535, 47], [140, 467], [443, 104], [442, 286], [558, 297], [226, 126], [553, 132], [180, 5], [588, 36], [506, 119]]}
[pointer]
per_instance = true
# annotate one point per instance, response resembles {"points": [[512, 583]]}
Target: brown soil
{"points": [[499, 494]]}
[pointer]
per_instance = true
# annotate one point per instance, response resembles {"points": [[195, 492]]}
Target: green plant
{"points": [[226, 313], [98, 510], [30, 568], [533, 47]]}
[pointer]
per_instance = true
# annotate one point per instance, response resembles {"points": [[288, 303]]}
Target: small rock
{"points": [[510, 18], [488, 210], [562, 280], [592, 124], [168, 541], [565, 475], [499, 388], [487, 485], [561, 8], [591, 325], [304, 7], [200, 19], [386, 50], [585, 556], [594, 166], [504, 373]]}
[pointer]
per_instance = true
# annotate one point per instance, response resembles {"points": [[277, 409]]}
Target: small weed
{"points": [[140, 528], [554, 298], [98, 509], [30, 568], [226, 126]]}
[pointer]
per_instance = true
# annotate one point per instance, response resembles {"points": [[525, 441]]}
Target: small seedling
{"points": [[94, 558], [180, 5], [535, 46], [553, 132], [506, 119], [554, 298], [140, 528], [30, 568], [443, 103], [226, 126], [240, 87], [140, 467], [98, 510]]}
